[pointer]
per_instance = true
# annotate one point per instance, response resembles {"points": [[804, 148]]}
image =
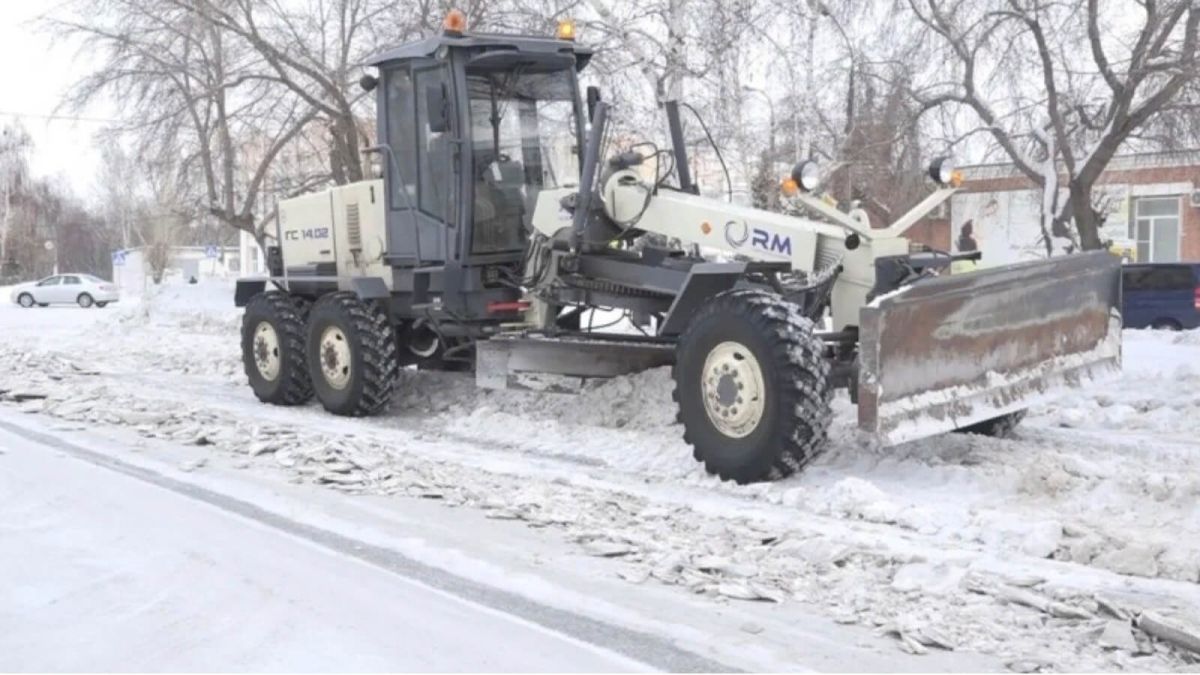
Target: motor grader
{"points": [[503, 222]]}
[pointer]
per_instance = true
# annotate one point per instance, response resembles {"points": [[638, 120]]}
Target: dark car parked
{"points": [[1162, 295]]}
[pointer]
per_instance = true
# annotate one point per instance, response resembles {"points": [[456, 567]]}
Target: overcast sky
{"points": [[34, 73]]}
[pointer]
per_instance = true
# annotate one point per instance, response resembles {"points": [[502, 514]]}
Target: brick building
{"points": [[1151, 200]]}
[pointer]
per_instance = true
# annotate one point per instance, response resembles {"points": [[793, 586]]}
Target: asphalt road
{"points": [[104, 568]]}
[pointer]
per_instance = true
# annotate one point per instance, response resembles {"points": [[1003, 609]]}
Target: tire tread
{"points": [[290, 314], [797, 358], [380, 356]]}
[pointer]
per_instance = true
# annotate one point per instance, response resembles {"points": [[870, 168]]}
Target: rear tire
{"points": [[752, 385], [997, 427], [85, 301], [102, 305], [25, 300], [352, 354], [273, 348]]}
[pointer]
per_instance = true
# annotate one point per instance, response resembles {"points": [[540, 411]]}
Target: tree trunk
{"points": [[1086, 221]]}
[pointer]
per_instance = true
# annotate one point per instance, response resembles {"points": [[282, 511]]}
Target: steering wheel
{"points": [[499, 158]]}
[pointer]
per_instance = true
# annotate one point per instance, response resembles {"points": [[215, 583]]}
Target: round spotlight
{"points": [[941, 170], [807, 175]]}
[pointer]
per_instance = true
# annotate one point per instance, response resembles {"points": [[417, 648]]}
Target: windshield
{"points": [[523, 132]]}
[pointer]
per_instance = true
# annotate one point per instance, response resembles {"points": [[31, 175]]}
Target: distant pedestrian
{"points": [[966, 238], [966, 244]]}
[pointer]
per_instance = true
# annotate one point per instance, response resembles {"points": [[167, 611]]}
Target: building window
{"points": [[1155, 228]]}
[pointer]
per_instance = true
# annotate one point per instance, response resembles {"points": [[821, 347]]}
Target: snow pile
{"points": [[203, 307], [1189, 337], [1128, 507]]}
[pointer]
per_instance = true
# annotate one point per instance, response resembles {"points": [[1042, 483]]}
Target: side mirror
{"points": [[593, 98], [435, 108]]}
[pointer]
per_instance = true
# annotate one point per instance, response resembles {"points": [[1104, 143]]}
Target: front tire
{"points": [[85, 301], [352, 355], [102, 304], [25, 300], [273, 348], [752, 385]]}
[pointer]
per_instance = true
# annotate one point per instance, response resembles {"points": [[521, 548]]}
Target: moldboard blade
{"points": [[948, 352]]}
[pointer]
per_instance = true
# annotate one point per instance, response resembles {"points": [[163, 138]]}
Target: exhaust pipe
{"points": [[423, 340]]}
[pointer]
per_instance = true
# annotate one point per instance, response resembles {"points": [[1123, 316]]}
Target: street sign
{"points": [[118, 257], [211, 251]]}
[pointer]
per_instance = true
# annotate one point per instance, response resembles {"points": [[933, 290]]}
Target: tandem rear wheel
{"points": [[352, 354], [752, 386], [273, 330]]}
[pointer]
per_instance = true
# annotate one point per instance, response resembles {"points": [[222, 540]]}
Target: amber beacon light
{"points": [[566, 30], [454, 23]]}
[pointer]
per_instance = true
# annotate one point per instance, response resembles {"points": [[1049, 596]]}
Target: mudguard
{"points": [[947, 352]]}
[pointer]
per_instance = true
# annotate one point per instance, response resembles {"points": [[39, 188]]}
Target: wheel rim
{"points": [[734, 389], [266, 351], [85, 300], [26, 301], [335, 357]]}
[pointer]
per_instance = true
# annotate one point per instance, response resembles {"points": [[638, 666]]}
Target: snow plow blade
{"points": [[960, 349]]}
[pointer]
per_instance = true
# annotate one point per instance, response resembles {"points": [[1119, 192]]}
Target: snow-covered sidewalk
{"points": [[1090, 512]]}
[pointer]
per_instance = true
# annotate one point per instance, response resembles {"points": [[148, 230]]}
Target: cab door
{"points": [[419, 130]]}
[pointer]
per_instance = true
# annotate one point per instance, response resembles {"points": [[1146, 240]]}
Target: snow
{"points": [[176, 595], [1096, 495]]}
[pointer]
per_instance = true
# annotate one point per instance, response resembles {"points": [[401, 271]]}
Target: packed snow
{"points": [[174, 595], [1036, 551]]}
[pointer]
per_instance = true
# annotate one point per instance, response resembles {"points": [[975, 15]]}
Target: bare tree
{"points": [[14, 178], [1059, 86], [315, 50], [192, 93]]}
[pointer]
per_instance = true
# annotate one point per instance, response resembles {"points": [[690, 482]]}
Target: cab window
{"points": [[433, 151], [402, 137]]}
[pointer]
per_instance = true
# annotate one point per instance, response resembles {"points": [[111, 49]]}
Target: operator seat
{"points": [[499, 203]]}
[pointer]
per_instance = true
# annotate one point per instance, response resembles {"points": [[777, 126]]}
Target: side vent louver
{"points": [[353, 229]]}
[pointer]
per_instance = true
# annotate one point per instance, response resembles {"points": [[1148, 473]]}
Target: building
{"points": [[249, 252], [1151, 202], [132, 272]]}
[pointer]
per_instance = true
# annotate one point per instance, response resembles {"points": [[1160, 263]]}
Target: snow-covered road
{"points": [[103, 570], [954, 553]]}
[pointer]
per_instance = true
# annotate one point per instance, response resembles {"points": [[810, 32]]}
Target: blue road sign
{"points": [[211, 251], [118, 257]]}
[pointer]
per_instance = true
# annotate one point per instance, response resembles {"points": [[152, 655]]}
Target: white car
{"points": [[84, 290]]}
